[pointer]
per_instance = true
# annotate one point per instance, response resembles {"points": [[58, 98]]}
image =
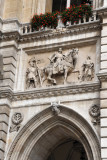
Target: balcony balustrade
{"points": [[27, 28]]}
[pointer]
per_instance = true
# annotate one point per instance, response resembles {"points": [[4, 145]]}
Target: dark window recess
{"points": [[78, 2], [59, 5]]}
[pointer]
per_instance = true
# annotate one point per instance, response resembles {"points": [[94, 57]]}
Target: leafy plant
{"points": [[73, 14]]}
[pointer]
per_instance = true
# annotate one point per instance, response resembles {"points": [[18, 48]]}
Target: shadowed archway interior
{"points": [[68, 150], [58, 143]]}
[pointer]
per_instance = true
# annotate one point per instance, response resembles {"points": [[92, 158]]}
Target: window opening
{"points": [[59, 5]]}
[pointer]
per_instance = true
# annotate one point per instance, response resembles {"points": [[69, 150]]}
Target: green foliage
{"points": [[73, 14]]}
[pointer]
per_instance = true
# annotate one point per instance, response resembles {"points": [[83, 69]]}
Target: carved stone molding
{"points": [[102, 77], [94, 112], [51, 91], [53, 33], [1, 67], [17, 118], [50, 33]]}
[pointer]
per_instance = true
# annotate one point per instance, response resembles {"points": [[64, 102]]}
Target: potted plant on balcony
{"points": [[72, 14]]}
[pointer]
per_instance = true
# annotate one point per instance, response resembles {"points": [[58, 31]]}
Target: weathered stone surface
{"points": [[103, 103], [104, 94], [3, 136], [104, 113], [4, 109], [103, 132], [104, 153], [1, 155], [104, 122], [82, 90]]}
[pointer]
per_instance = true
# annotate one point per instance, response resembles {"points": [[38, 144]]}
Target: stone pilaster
{"points": [[9, 67], [4, 120], [103, 93]]}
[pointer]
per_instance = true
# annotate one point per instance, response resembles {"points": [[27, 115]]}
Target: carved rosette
{"points": [[94, 112], [17, 118]]}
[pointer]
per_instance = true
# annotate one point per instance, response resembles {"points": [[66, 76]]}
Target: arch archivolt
{"points": [[45, 126]]}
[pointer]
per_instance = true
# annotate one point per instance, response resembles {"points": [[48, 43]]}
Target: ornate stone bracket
{"points": [[55, 108], [94, 112], [17, 118]]}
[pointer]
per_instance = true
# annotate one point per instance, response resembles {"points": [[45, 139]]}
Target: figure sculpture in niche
{"points": [[33, 78], [60, 64], [88, 70]]}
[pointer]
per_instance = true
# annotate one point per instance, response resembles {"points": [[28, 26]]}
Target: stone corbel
{"points": [[55, 108]]}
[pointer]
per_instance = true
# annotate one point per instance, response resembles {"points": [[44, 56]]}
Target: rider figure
{"points": [[57, 60]]}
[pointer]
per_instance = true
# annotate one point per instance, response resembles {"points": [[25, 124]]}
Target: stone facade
{"points": [[53, 83]]}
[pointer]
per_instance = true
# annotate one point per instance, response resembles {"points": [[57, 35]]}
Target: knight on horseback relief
{"points": [[60, 64]]}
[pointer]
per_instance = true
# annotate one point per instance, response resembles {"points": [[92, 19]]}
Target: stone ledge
{"points": [[102, 76], [94, 25], [51, 91]]}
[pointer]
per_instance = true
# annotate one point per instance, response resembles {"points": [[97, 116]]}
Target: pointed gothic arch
{"points": [[33, 135]]}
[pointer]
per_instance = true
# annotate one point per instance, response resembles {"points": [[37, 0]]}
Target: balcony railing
{"points": [[27, 28]]}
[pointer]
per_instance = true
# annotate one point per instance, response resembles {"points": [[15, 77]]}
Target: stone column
{"points": [[103, 93], [105, 3], [68, 3], [4, 121]]}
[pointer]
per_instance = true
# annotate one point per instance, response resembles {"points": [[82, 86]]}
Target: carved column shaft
{"points": [[4, 120]]}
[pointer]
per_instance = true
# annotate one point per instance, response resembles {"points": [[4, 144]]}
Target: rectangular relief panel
{"points": [[61, 67]]}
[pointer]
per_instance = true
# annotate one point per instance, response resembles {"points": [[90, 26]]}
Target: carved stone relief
{"points": [[94, 112], [17, 118], [59, 64], [61, 67], [87, 70], [55, 108], [33, 76]]}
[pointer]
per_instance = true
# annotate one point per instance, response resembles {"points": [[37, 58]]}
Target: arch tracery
{"points": [[33, 133]]}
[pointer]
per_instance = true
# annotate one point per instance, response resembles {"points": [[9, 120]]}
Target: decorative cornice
{"points": [[10, 36], [102, 76], [74, 29], [51, 92]]}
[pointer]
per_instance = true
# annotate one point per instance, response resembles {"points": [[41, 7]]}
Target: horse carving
{"points": [[60, 64]]}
